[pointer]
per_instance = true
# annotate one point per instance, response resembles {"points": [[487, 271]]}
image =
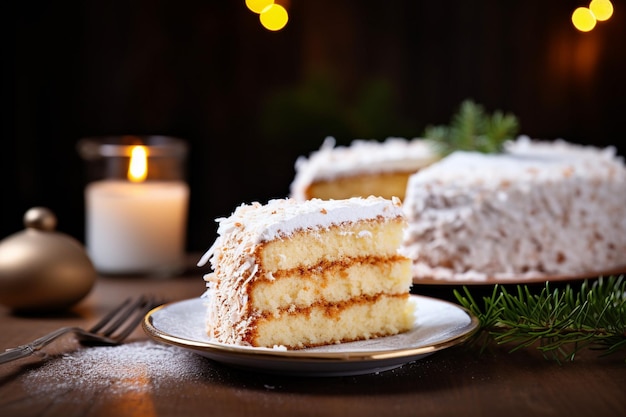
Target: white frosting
{"points": [[543, 208], [361, 157], [558, 149], [281, 217], [232, 256]]}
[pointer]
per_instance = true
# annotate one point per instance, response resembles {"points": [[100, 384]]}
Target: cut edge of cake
{"points": [[363, 168]]}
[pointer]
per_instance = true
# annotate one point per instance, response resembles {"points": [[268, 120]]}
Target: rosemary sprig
{"points": [[472, 129], [559, 323]]}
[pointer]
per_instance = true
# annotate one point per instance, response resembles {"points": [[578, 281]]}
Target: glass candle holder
{"points": [[136, 202]]}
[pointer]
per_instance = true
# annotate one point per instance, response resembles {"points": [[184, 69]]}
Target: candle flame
{"points": [[138, 169]]}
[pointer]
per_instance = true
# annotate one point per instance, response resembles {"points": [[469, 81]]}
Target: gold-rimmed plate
{"points": [[439, 325]]}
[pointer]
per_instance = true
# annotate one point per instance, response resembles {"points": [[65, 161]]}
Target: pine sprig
{"points": [[559, 323], [473, 129]]}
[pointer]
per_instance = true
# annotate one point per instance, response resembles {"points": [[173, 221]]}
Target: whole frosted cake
{"points": [[301, 274], [364, 168], [540, 209]]}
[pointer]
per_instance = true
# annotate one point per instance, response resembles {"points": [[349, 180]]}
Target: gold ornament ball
{"points": [[41, 269]]}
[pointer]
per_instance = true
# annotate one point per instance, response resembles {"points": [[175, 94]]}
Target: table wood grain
{"points": [[453, 382]]}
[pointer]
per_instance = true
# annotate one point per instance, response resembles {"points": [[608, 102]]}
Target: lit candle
{"points": [[136, 226]]}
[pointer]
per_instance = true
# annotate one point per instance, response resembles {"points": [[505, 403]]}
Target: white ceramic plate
{"points": [[439, 325]]}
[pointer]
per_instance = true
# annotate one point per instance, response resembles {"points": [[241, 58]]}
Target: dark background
{"points": [[249, 101]]}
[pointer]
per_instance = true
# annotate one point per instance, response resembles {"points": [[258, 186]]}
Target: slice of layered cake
{"points": [[303, 274], [366, 167]]}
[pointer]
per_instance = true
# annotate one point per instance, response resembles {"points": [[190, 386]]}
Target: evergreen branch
{"points": [[472, 129], [559, 323]]}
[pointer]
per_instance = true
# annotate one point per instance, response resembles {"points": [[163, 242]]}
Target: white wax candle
{"points": [[136, 227]]}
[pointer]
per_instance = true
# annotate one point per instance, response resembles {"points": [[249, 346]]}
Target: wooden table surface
{"points": [[452, 382]]}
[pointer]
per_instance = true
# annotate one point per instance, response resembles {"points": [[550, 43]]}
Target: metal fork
{"points": [[112, 329]]}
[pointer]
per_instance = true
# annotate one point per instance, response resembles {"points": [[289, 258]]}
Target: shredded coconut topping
{"points": [[543, 208], [279, 218]]}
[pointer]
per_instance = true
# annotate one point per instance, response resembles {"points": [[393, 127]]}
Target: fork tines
{"points": [[128, 314]]}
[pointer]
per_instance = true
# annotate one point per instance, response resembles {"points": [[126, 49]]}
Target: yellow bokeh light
{"points": [[138, 168], [583, 19], [274, 17], [602, 9], [257, 6]]}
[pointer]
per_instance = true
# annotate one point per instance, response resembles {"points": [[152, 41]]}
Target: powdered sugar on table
{"points": [[133, 367]]}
